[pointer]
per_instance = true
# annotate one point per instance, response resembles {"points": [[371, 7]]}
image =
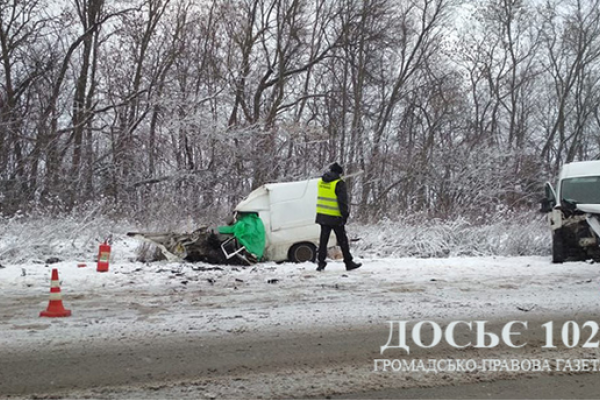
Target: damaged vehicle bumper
{"points": [[575, 232]]}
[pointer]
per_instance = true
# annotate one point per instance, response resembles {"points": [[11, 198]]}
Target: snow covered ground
{"points": [[166, 299], [160, 298]]}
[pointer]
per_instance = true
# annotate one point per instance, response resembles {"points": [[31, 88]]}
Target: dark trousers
{"points": [[342, 239]]}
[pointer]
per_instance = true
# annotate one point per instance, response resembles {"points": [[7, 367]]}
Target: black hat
{"points": [[337, 168]]}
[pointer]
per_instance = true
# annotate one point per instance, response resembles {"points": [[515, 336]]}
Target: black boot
{"points": [[321, 267], [352, 265]]}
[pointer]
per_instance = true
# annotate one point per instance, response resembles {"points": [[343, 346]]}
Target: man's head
{"points": [[337, 168]]}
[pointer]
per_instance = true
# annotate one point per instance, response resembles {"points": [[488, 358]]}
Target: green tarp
{"points": [[250, 233]]}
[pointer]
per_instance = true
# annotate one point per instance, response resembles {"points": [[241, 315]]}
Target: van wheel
{"points": [[558, 248], [302, 252]]}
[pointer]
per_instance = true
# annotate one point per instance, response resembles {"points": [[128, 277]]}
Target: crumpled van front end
{"points": [[574, 212]]}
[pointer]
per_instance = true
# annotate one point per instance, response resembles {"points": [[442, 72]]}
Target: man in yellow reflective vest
{"points": [[333, 211]]}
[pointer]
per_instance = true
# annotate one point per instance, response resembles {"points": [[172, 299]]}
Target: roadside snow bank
{"points": [[526, 234], [28, 239], [36, 239]]}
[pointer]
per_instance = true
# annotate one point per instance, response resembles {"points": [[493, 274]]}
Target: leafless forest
{"points": [[451, 108]]}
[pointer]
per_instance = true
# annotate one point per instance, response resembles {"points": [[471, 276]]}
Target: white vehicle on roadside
{"points": [[574, 212], [277, 220], [288, 211]]}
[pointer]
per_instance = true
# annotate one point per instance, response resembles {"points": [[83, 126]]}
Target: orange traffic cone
{"points": [[55, 307]]}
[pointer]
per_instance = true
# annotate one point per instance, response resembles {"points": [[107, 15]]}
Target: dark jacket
{"points": [[342, 197]]}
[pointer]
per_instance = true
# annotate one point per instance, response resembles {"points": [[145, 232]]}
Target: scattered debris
{"points": [[239, 280], [207, 268], [211, 281], [23, 272], [273, 281], [2, 266], [525, 309], [52, 260], [336, 286]]}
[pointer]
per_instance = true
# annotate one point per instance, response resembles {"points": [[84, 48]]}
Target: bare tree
{"points": [[89, 13], [21, 26], [275, 49], [572, 40], [418, 38]]}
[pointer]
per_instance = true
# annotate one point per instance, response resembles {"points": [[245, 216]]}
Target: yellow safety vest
{"points": [[327, 199]]}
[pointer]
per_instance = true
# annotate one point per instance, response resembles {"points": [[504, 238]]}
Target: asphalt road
{"points": [[328, 364], [143, 361], [581, 386]]}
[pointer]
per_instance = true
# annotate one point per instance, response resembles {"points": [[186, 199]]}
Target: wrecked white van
{"points": [[275, 222], [574, 212], [287, 211]]}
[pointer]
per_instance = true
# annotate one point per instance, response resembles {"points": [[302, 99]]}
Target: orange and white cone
{"points": [[55, 306]]}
